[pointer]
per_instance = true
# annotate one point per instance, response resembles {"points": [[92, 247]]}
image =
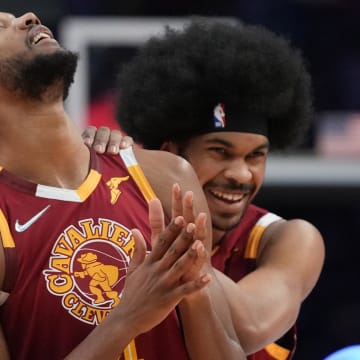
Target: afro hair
{"points": [[169, 89]]}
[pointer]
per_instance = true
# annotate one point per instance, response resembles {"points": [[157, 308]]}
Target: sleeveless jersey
{"points": [[236, 257], [66, 255]]}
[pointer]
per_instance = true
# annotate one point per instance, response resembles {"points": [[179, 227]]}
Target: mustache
{"points": [[232, 186]]}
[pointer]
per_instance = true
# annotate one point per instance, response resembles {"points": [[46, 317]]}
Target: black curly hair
{"points": [[170, 88]]}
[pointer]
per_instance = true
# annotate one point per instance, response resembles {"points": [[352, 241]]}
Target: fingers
{"points": [[117, 141], [188, 206], [88, 135], [97, 138], [201, 229], [182, 205], [187, 269], [191, 287], [156, 220], [176, 201], [139, 253], [179, 247], [166, 238], [103, 139], [125, 141]]}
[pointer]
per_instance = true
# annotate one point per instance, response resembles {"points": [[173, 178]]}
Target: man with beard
{"points": [[66, 216], [219, 95]]}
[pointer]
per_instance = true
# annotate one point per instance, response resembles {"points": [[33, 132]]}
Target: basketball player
{"points": [[220, 95], [66, 220]]}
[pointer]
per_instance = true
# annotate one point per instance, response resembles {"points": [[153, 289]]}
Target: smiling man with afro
{"points": [[220, 93]]}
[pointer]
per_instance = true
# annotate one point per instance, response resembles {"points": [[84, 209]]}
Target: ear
{"points": [[170, 147]]}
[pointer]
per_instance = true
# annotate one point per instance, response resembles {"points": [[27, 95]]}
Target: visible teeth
{"points": [[39, 37], [228, 197]]}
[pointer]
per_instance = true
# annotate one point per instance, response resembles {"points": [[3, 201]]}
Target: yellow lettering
{"points": [[105, 226], [119, 235], [70, 300], [83, 311], [63, 248], [75, 237], [75, 305], [61, 264], [91, 232], [129, 247], [59, 283], [100, 315]]}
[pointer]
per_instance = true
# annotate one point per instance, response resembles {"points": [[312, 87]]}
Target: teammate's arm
{"points": [[266, 302], [205, 317]]}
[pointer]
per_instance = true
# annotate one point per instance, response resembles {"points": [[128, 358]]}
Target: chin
{"points": [[225, 225]]}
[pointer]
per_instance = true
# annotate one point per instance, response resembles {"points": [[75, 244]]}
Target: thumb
{"points": [[140, 251]]}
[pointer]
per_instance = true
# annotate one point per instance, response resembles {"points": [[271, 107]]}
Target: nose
{"points": [[27, 20], [238, 171]]}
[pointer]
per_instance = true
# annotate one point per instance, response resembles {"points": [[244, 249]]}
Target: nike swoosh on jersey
{"points": [[22, 227]]}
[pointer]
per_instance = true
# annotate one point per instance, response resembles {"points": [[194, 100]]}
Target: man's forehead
{"points": [[234, 138]]}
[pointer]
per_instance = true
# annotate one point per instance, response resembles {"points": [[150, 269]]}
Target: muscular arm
{"points": [[266, 302], [205, 316]]}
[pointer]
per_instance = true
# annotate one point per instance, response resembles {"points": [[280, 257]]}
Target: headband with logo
{"points": [[227, 119]]}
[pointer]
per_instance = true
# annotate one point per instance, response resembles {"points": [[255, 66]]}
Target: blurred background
{"points": [[319, 182]]}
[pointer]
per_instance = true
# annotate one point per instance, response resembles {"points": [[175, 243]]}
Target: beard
{"points": [[44, 76]]}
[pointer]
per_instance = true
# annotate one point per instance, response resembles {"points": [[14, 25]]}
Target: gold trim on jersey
{"points": [[6, 237], [78, 195], [277, 351], [89, 185], [252, 245], [137, 174]]}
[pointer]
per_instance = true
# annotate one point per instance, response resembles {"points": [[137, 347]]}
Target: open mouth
{"points": [[227, 197], [39, 33], [38, 37]]}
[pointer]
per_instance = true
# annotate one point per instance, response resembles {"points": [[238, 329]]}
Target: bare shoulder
{"points": [[163, 169], [296, 229], [155, 160], [297, 247]]}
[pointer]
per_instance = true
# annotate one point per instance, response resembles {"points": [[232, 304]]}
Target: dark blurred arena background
{"points": [[321, 180]]}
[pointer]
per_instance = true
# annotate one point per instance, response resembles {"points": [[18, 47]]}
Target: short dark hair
{"points": [[170, 88]]}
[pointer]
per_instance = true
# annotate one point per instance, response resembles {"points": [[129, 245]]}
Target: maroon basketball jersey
{"points": [[236, 257], [67, 253]]}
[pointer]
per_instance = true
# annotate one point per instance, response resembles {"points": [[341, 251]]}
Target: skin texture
{"points": [[178, 268], [231, 168]]}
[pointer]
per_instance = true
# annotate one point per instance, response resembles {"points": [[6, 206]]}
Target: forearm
{"points": [[208, 329], [107, 341], [257, 317]]}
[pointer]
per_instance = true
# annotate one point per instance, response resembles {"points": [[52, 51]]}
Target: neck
{"points": [[39, 143], [217, 236]]}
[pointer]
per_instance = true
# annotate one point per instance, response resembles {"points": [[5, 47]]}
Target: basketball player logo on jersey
{"points": [[102, 277], [88, 266], [219, 116]]}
